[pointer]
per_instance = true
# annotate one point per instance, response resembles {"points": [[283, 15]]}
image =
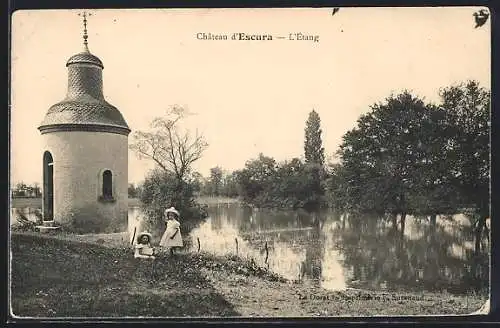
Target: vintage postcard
{"points": [[292, 162]]}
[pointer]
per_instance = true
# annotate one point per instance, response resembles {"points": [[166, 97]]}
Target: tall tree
{"points": [[313, 146]]}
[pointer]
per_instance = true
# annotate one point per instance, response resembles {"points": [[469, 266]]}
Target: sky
{"points": [[248, 96]]}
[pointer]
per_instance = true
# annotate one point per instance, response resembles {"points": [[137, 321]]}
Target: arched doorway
{"points": [[48, 187]]}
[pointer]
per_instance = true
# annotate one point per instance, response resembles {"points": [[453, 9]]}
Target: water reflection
{"points": [[420, 260], [333, 275], [338, 251], [236, 229]]}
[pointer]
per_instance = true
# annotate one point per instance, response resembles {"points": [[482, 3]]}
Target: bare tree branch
{"points": [[165, 144]]}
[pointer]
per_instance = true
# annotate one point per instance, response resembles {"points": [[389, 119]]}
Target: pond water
{"points": [[337, 251]]}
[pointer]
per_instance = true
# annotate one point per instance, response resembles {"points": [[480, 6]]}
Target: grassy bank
{"points": [[75, 276], [132, 202]]}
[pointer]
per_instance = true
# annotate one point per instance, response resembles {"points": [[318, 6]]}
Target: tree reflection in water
{"points": [[378, 255], [337, 250]]}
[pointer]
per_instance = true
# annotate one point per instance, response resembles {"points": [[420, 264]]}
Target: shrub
{"points": [[24, 224], [162, 190]]}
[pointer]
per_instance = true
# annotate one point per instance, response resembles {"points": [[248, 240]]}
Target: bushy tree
{"points": [[408, 157], [160, 191], [132, 191], [290, 184], [379, 155], [336, 188], [394, 161], [256, 179], [312, 191], [230, 185], [434, 192], [19, 190], [468, 113]]}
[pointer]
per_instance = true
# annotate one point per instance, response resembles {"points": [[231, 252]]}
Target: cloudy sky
{"points": [[248, 96]]}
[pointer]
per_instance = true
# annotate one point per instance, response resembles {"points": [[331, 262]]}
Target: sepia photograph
{"points": [[250, 163]]}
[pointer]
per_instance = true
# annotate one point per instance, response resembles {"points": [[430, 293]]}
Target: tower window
{"points": [[107, 185]]}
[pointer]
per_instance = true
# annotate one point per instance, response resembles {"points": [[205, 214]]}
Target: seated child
{"points": [[143, 248]]}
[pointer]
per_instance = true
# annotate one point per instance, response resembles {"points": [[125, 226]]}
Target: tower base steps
{"points": [[47, 227]]}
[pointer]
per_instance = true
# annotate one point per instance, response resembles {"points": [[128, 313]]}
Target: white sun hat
{"points": [[172, 210], [144, 234]]}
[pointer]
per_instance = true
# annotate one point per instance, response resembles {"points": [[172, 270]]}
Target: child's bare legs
{"points": [[174, 250]]}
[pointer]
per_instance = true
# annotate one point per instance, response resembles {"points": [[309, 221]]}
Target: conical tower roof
{"points": [[84, 107]]}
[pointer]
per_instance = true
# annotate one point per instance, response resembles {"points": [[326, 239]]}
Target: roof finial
{"points": [[85, 35]]}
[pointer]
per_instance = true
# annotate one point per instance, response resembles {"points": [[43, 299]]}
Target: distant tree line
{"points": [[219, 183], [263, 182], [22, 189]]}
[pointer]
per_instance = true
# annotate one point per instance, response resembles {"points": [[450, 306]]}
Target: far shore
{"points": [[36, 202]]}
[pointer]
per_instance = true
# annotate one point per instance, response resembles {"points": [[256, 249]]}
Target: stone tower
{"points": [[85, 155]]}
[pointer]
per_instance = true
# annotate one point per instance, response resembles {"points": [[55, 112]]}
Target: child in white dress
{"points": [[172, 238], [143, 249]]}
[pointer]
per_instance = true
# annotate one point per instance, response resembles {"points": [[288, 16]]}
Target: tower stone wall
{"points": [[80, 159]]}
